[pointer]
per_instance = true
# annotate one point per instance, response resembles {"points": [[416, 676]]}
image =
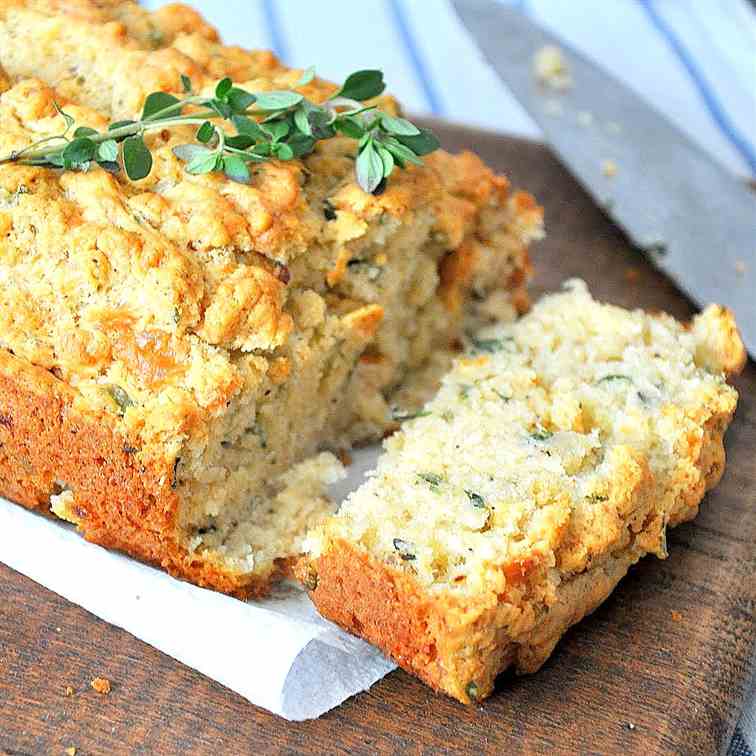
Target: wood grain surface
{"points": [[661, 667]]}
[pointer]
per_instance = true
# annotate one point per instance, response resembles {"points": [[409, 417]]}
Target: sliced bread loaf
{"points": [[171, 347], [556, 454]]}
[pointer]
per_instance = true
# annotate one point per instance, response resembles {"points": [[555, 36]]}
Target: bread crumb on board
{"points": [[71, 751], [69, 691], [101, 685], [550, 68], [609, 168], [676, 616]]}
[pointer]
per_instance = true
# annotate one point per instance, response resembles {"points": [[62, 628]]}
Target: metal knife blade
{"points": [[695, 220]]}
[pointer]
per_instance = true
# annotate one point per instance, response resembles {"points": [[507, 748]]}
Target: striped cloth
{"points": [[694, 59]]}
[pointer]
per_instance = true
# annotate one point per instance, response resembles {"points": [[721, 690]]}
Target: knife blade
{"points": [[696, 221]]}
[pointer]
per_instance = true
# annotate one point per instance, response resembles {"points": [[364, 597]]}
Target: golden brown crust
{"points": [[720, 345], [709, 461], [46, 443], [380, 604], [388, 609]]}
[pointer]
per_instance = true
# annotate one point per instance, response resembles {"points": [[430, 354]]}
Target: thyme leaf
{"points": [[541, 434], [489, 346], [614, 377], [476, 499], [120, 397], [406, 550], [401, 416], [432, 479], [281, 125]]}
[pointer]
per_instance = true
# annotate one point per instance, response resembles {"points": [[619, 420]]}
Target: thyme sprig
{"points": [[281, 124]]}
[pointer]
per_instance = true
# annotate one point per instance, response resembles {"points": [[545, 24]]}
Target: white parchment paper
{"points": [[277, 653]]}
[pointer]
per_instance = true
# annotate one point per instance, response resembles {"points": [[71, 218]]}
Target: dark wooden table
{"points": [[661, 667]]}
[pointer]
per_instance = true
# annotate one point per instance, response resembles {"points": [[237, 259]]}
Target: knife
{"points": [[694, 220]]}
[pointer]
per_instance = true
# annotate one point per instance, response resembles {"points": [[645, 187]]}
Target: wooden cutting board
{"points": [[661, 667]]}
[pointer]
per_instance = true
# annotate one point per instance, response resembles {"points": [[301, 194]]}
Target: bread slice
{"points": [[171, 348], [556, 455]]}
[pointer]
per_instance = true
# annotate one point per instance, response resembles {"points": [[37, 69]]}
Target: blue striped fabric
{"points": [[707, 92], [276, 32], [694, 59], [410, 45], [702, 48]]}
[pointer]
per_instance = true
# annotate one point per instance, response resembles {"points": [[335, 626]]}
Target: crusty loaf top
{"points": [[179, 287]]}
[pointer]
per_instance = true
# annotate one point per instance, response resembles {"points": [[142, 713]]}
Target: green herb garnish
{"points": [[120, 397], [477, 500], [614, 377], [281, 125], [432, 479], [401, 417], [406, 550], [490, 346], [541, 434]]}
